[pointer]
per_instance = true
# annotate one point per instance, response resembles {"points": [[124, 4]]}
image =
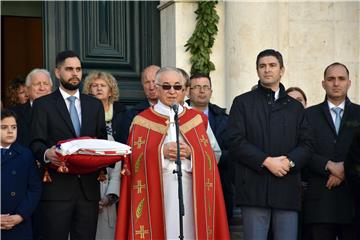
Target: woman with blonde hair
{"points": [[104, 87]]}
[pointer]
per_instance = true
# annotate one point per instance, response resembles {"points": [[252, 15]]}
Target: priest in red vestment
{"points": [[148, 206]]}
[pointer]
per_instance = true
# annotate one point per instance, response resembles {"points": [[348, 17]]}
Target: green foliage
{"points": [[203, 37]]}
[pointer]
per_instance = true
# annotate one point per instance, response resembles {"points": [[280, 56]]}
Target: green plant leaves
{"points": [[203, 37]]}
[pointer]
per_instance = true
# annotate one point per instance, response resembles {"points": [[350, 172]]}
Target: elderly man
{"points": [[38, 83], [328, 207], [148, 83], [149, 197]]}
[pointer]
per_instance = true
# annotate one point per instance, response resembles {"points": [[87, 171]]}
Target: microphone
{"points": [[175, 107]]}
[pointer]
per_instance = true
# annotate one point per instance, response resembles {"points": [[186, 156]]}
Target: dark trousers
{"points": [[329, 231], [76, 217]]}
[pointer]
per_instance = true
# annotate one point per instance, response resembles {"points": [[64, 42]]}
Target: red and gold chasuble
{"points": [[141, 211]]}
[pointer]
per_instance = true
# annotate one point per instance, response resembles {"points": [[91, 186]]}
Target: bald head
{"points": [[148, 82]]}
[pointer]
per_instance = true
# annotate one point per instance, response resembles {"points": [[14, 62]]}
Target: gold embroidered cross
{"points": [[209, 231], [142, 232], [204, 140], [139, 142], [208, 184], [139, 186]]}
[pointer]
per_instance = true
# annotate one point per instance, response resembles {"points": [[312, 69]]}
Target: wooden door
{"points": [[22, 48]]}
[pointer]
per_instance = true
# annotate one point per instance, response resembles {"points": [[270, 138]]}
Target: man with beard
{"points": [[69, 203]]}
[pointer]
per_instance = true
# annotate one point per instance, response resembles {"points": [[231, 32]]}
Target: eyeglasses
{"points": [[168, 87], [204, 87]]}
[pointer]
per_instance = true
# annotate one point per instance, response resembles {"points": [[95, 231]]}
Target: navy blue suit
{"points": [[20, 189], [324, 206], [321, 204]]}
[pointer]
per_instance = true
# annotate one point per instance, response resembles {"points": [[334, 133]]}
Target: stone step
{"points": [[235, 224]]}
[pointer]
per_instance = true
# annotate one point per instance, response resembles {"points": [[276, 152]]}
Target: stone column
{"points": [[178, 22]]}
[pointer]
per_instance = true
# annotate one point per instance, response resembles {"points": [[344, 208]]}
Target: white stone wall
{"points": [[310, 35]]}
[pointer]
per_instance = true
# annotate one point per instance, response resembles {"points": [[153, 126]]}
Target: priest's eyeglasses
{"points": [[199, 87], [168, 87]]}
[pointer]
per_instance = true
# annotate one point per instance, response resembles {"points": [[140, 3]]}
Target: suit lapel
{"points": [[326, 112], [346, 115], [85, 113], [63, 110]]}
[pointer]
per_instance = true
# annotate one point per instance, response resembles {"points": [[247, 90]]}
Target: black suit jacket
{"points": [[352, 170], [323, 205], [51, 123], [118, 116], [23, 113], [125, 123]]}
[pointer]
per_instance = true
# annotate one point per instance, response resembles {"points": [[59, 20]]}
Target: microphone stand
{"points": [[179, 174]]}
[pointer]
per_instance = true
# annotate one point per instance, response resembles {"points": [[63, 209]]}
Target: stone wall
{"points": [[310, 35]]}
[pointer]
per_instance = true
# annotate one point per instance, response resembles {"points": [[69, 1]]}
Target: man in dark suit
{"points": [[270, 142], [38, 83], [69, 204], [199, 98], [328, 205], [148, 83], [352, 173]]}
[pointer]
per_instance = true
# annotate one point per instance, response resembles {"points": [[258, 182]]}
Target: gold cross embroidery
{"points": [[208, 184], [139, 186], [139, 142], [209, 231], [142, 231], [204, 140]]}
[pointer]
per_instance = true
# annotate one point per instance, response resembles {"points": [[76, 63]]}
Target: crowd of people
{"points": [[293, 170]]}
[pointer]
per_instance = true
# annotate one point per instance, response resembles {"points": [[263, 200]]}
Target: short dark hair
{"points": [[336, 64], [292, 89], [62, 56], [270, 52], [5, 113], [201, 75]]}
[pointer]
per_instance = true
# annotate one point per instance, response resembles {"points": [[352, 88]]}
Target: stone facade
{"points": [[310, 35]]}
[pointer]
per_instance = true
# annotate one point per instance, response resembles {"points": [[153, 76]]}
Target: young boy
{"points": [[20, 182]]}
